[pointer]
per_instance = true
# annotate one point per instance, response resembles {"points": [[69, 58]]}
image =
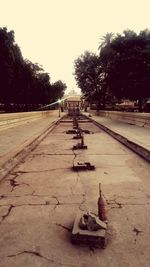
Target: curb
{"points": [[15, 159], [140, 150]]}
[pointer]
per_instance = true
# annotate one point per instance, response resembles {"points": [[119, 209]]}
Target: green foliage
{"points": [[106, 40], [129, 69], [8, 64], [122, 69], [90, 77], [23, 82], [57, 90], [87, 74]]}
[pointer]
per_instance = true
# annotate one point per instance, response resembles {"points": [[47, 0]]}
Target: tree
{"points": [[106, 40], [88, 73], [91, 78], [22, 82], [57, 90], [129, 68], [106, 55], [7, 63]]}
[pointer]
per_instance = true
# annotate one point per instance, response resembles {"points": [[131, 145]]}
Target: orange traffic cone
{"points": [[101, 206]]}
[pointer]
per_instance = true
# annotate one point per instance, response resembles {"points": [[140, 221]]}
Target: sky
{"points": [[53, 33]]}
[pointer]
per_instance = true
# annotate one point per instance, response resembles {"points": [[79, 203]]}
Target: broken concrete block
{"points": [[91, 222], [79, 146], [86, 237], [83, 166]]}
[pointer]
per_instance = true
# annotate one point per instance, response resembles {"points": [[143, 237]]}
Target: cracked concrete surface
{"points": [[40, 198]]}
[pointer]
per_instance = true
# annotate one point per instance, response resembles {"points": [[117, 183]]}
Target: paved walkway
{"points": [[132, 133], [14, 137], [14, 140], [17, 141], [137, 134], [40, 198]]}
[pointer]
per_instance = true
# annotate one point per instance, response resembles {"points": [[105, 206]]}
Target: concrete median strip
{"points": [[140, 150], [9, 162]]}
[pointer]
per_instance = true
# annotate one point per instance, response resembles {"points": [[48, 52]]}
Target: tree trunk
{"points": [[104, 102], [140, 104], [98, 105]]}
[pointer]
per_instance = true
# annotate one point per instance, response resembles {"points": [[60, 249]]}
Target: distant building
{"points": [[73, 100]]}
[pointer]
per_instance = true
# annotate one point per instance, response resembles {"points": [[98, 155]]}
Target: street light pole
{"points": [[59, 101]]}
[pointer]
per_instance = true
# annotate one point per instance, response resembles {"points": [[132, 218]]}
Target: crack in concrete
{"points": [[92, 249], [18, 196], [37, 254], [120, 205], [47, 203], [85, 193], [114, 202], [137, 232], [75, 155], [7, 213], [64, 227], [14, 183], [27, 204], [136, 204], [54, 154], [30, 252], [58, 203], [72, 188], [49, 170], [25, 195], [18, 172], [83, 201], [15, 174]]}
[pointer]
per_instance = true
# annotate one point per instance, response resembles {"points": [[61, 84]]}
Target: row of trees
{"points": [[22, 82], [121, 70]]}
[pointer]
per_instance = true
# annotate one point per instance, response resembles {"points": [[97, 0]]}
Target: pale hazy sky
{"points": [[54, 33]]}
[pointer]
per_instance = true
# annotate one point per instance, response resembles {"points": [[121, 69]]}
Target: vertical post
{"points": [[59, 109], [59, 101]]}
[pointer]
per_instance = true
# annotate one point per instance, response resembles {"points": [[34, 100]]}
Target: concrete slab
{"points": [[35, 228], [133, 136], [22, 133], [60, 144], [46, 163], [30, 136], [62, 130], [111, 146], [106, 161]]}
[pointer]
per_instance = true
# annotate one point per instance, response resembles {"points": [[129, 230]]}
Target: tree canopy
{"points": [[129, 69], [21, 81], [57, 90], [122, 68], [88, 75]]}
